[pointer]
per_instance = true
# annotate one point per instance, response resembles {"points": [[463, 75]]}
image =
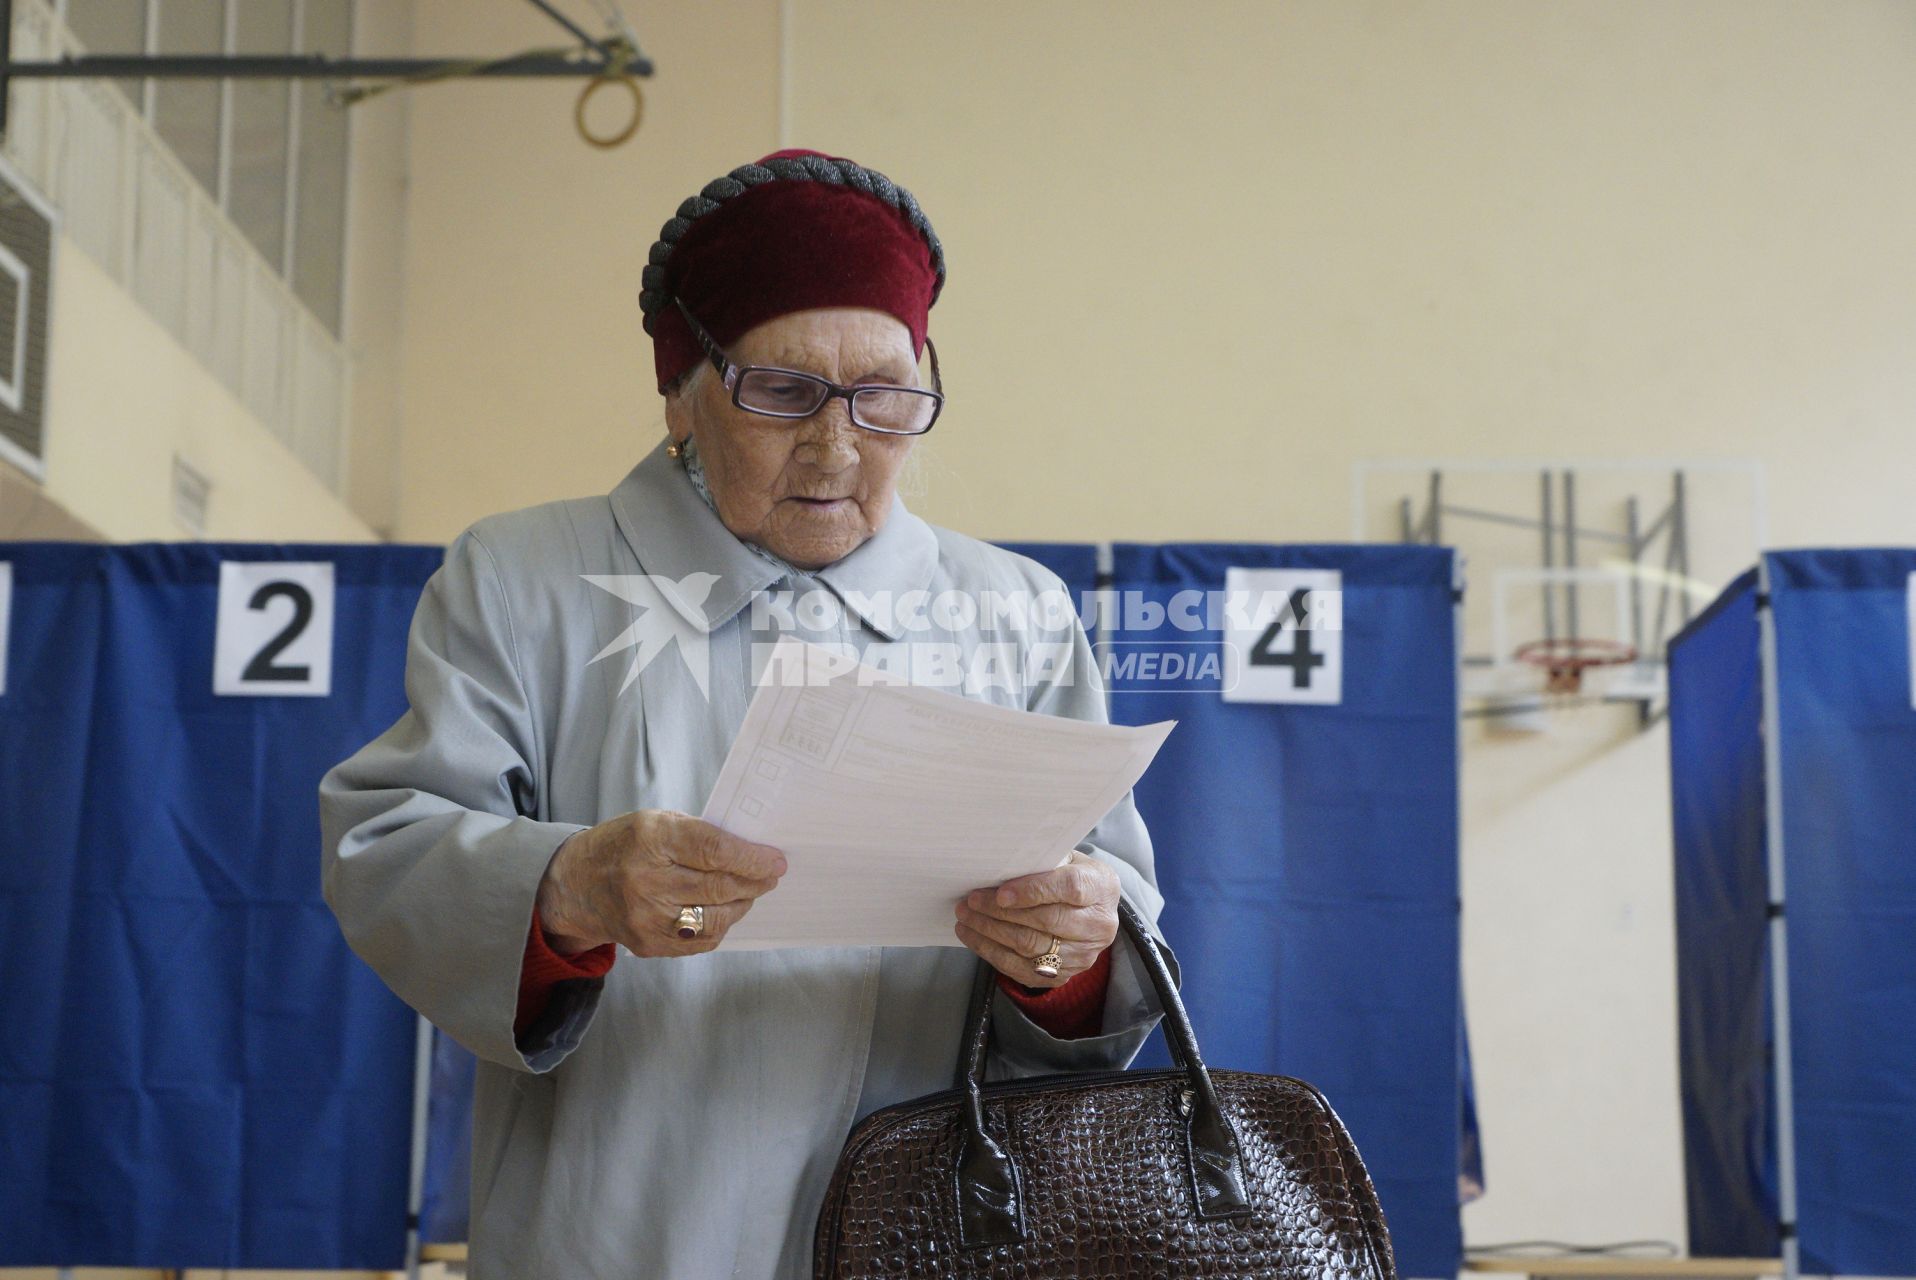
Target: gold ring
{"points": [[691, 921], [1047, 964]]}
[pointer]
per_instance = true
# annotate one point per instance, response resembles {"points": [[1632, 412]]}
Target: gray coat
{"points": [[682, 1117]]}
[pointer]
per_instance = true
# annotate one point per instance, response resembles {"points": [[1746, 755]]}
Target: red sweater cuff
{"points": [[1071, 1012], [543, 969]]}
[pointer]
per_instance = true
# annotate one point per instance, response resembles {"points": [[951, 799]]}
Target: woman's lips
{"points": [[822, 504]]}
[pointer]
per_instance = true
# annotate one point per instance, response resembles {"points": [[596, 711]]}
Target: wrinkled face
{"points": [[809, 491]]}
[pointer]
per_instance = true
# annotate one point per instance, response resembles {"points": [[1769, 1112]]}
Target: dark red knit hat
{"points": [[795, 231]]}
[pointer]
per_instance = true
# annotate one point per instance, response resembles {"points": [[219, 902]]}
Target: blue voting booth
{"points": [[201, 1074], [1793, 750], [1308, 849], [194, 1068]]}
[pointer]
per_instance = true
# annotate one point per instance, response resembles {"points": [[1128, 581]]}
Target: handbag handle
{"points": [[990, 1196]]}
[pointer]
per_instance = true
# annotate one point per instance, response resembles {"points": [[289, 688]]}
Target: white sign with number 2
{"points": [[274, 637]]}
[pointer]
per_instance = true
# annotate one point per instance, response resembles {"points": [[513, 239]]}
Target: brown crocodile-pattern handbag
{"points": [[1157, 1174]]}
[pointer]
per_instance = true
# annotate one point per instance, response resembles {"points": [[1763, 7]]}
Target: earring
{"points": [[675, 450]]}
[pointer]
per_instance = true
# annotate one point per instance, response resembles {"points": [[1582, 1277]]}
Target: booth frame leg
{"points": [[421, 1105], [1782, 1061]]}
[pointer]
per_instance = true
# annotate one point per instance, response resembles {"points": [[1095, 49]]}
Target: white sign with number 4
{"points": [[274, 637], [1284, 635]]}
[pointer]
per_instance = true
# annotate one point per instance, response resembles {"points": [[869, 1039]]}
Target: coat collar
{"points": [[675, 535]]}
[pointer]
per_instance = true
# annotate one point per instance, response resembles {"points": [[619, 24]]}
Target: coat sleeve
{"points": [[1020, 1046], [432, 853]]}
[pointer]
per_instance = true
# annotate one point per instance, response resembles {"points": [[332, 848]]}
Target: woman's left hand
{"points": [[1014, 924]]}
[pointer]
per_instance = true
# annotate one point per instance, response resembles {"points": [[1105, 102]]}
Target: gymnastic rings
{"points": [[606, 142]]}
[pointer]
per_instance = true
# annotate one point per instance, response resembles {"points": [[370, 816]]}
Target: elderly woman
{"points": [[516, 855]]}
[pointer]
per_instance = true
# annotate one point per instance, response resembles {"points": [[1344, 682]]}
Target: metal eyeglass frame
{"points": [[733, 376]]}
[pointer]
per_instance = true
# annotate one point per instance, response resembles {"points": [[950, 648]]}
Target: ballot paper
{"points": [[891, 802]]}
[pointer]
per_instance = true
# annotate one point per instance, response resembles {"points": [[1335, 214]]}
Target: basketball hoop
{"points": [[1564, 660]]}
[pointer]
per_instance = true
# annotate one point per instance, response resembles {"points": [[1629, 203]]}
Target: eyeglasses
{"points": [[789, 393]]}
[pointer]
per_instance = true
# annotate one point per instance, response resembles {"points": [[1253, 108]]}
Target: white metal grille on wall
{"points": [[26, 271], [130, 205]]}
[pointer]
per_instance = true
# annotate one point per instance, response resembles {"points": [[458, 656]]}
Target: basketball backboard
{"points": [[1602, 558]]}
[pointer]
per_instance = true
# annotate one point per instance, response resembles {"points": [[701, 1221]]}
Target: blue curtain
{"points": [[1847, 750], [1308, 858], [1722, 892], [445, 1207], [195, 1071], [1848, 737]]}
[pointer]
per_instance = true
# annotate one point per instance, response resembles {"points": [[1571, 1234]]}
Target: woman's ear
{"points": [[678, 412], [681, 402]]}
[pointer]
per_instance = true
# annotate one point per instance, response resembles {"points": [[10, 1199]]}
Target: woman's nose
{"points": [[828, 439]]}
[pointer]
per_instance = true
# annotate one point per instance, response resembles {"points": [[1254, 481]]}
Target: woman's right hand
{"points": [[626, 880]]}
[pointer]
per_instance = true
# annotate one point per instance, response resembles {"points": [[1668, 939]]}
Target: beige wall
{"points": [[28, 514], [123, 397], [526, 373], [1205, 257], [375, 271], [1211, 253]]}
